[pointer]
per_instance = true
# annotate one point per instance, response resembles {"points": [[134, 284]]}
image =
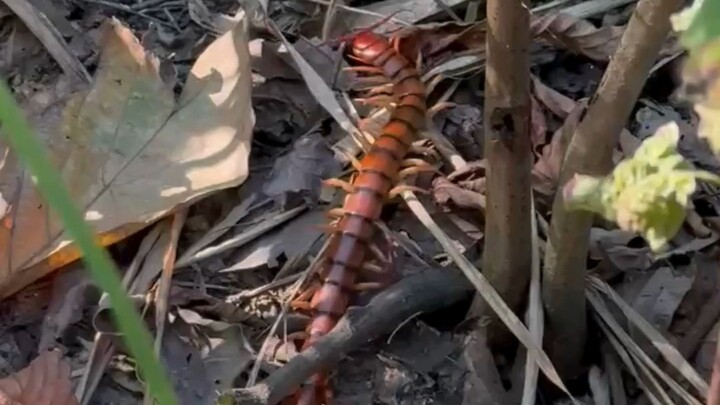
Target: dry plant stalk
{"points": [[590, 152], [508, 254]]}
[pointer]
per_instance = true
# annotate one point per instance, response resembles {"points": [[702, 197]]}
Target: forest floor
{"points": [[244, 204]]}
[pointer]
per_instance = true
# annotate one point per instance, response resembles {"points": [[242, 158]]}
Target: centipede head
{"points": [[362, 35]]}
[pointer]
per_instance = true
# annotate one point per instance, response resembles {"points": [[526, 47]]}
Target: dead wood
{"points": [[424, 292], [590, 152], [507, 258]]}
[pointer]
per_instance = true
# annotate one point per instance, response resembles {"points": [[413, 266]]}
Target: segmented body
{"points": [[377, 174]]}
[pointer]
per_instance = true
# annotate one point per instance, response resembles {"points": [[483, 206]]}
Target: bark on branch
{"points": [[425, 292]]}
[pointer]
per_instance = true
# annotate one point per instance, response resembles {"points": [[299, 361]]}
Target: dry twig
{"points": [[425, 292]]}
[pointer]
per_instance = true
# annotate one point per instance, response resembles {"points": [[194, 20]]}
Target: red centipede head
{"points": [[366, 34], [365, 41]]}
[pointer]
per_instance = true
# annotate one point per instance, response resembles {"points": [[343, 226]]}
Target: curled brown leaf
{"points": [[46, 381], [546, 171]]}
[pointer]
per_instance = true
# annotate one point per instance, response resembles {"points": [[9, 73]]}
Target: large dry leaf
{"points": [[46, 381], [129, 153]]}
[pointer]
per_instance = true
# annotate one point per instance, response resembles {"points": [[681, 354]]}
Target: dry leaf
{"points": [[66, 304], [223, 348], [604, 239], [560, 104], [302, 170], [128, 153], [464, 187], [407, 11], [661, 296], [546, 171], [266, 250], [580, 36], [538, 124], [46, 381]]}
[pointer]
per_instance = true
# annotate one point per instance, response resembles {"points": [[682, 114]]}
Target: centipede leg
{"points": [[395, 42], [439, 107], [379, 278], [399, 189], [302, 301], [363, 69], [377, 101], [336, 213], [367, 83], [418, 168], [369, 286], [347, 187], [351, 158], [426, 151], [384, 89], [414, 163]]}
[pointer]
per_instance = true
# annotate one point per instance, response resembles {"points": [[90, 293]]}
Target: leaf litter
{"points": [[282, 111]]}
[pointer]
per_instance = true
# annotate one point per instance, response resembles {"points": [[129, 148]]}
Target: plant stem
{"points": [[507, 251], [590, 153]]}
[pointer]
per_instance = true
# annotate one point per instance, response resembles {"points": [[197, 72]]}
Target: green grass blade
{"points": [[29, 149]]}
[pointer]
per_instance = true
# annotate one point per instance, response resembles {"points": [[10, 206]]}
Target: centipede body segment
{"points": [[378, 172]]}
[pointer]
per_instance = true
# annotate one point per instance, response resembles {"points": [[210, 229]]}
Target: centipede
{"points": [[378, 178]]}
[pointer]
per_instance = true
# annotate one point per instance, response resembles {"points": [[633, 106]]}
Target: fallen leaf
{"points": [[661, 296], [695, 245], [203, 356], [321, 57], [604, 239], [458, 125], [577, 35], [464, 187], [580, 81], [445, 191], [302, 170], [46, 381], [266, 250], [19, 48], [5, 11], [186, 369], [704, 360], [408, 11], [66, 305], [129, 153], [268, 63], [418, 337], [538, 124], [483, 383], [223, 348], [560, 104], [26, 307], [433, 38], [546, 171]]}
